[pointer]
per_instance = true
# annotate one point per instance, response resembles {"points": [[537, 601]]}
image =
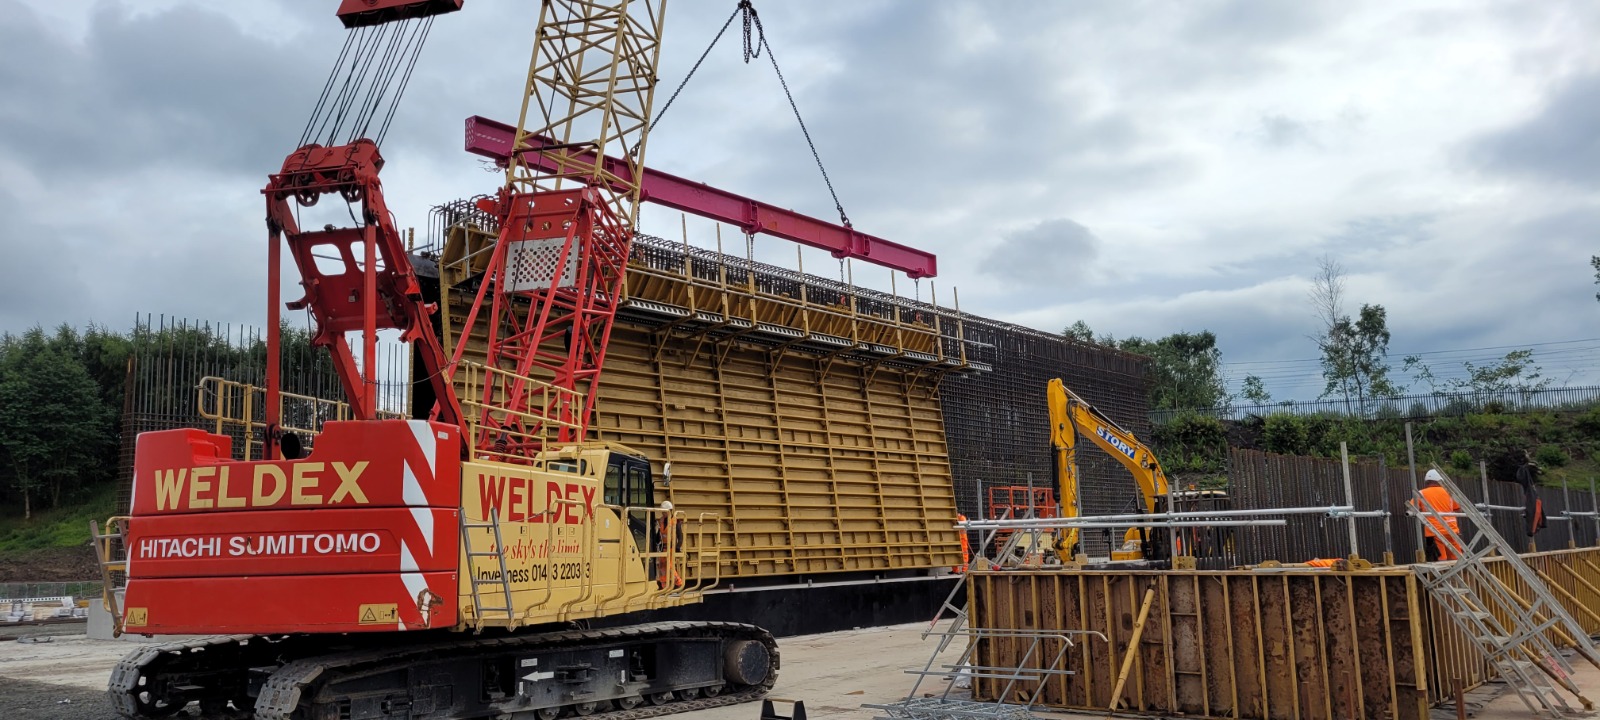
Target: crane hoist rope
{"points": [[373, 58], [755, 40]]}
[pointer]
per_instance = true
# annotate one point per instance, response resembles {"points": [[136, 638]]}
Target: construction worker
{"points": [[668, 539], [1442, 548], [966, 546]]}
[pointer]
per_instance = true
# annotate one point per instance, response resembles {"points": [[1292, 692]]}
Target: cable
{"points": [[753, 50], [405, 81], [327, 87], [697, 63]]}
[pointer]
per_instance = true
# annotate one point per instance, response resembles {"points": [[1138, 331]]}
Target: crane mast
{"points": [[545, 306]]}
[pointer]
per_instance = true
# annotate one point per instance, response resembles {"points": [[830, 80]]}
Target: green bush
{"points": [[1550, 456], [1589, 422], [1286, 435], [1194, 431], [1461, 460]]}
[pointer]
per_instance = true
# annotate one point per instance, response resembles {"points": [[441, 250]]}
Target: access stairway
{"points": [[1515, 635]]}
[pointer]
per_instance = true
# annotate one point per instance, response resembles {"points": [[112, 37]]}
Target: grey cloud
{"points": [[180, 87], [36, 287], [1558, 145], [1276, 130], [1043, 255], [1383, 231]]}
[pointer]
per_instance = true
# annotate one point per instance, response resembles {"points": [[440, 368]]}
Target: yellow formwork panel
{"points": [[1257, 645], [814, 464], [813, 470]]}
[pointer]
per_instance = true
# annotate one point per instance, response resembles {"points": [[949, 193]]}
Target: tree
{"points": [[1355, 357], [1354, 351], [1079, 331], [1516, 372], [1594, 261], [1185, 370], [1327, 292], [53, 423], [1255, 390]]}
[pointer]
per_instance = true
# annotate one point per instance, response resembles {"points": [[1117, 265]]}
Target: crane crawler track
{"points": [[295, 689]]}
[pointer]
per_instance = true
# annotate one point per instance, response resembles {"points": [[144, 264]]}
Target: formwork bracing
{"points": [[1266, 635], [1287, 643]]}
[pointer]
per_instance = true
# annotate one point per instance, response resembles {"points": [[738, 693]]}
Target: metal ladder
{"points": [[105, 553], [502, 583], [1513, 634]]}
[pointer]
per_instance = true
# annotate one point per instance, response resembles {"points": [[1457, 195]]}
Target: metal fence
{"points": [[1408, 406], [22, 591], [1260, 480]]}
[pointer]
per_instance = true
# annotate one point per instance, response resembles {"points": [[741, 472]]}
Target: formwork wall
{"points": [[801, 413], [1287, 644], [997, 423], [814, 468]]}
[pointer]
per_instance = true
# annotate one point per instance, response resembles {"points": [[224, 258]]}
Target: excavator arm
{"points": [[1071, 415]]}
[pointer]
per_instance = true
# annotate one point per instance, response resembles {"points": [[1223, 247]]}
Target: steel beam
{"points": [[493, 140]]}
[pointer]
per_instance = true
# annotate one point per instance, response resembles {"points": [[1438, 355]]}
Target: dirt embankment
{"points": [[58, 564]]}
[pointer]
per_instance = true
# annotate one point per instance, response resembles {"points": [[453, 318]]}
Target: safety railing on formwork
{"points": [[514, 431], [239, 410], [461, 235]]}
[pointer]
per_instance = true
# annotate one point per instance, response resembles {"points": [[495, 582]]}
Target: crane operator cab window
{"points": [[628, 484]]}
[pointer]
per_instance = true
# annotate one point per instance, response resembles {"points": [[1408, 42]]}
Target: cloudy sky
{"points": [[1147, 167]]}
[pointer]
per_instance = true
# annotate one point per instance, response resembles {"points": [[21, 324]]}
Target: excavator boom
{"points": [[1071, 416]]}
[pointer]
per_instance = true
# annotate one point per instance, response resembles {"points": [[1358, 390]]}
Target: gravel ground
{"points": [[65, 678], [61, 679]]}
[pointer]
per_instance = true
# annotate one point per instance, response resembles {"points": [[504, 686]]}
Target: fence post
{"points": [[1349, 499], [1388, 520], [1411, 456], [1566, 502], [1483, 482]]}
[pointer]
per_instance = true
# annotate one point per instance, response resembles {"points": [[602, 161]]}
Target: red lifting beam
{"points": [[492, 139], [362, 13]]}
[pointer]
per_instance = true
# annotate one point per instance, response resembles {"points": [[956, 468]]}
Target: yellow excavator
{"points": [[1070, 416]]}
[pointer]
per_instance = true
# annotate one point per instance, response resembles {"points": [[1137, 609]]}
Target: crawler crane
{"points": [[445, 565]]}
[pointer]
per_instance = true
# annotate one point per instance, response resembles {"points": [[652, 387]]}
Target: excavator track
{"points": [[425, 680]]}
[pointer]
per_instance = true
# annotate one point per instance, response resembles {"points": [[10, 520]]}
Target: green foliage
{"points": [[1185, 370], [1193, 448], [67, 526], [1551, 456], [1594, 261], [54, 423], [1355, 357], [1589, 422], [1461, 460], [1516, 372], [1079, 331], [1286, 434], [1255, 390]]}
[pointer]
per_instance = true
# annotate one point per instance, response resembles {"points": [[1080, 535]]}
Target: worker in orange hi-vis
{"points": [[966, 546], [1442, 547], [668, 539]]}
